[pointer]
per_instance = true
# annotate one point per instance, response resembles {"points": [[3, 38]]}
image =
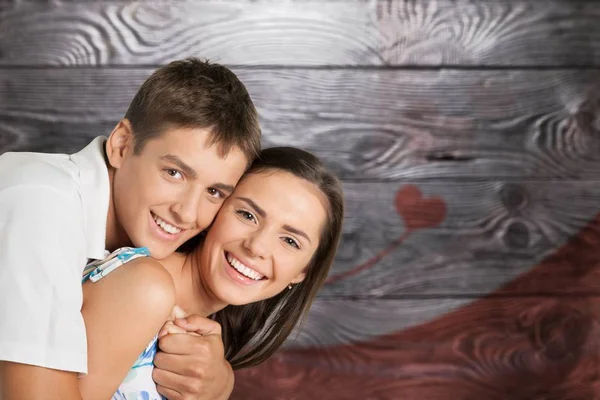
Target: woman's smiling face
{"points": [[263, 237]]}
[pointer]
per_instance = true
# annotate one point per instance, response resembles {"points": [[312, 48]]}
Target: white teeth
{"points": [[242, 269], [165, 227]]}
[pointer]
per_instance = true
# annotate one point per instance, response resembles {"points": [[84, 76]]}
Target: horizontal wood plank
{"points": [[369, 125], [307, 33]]}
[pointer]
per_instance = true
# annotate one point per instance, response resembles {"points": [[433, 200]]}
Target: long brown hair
{"points": [[253, 332]]}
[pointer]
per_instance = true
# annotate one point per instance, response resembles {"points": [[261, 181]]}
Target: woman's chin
{"points": [[233, 295], [236, 300]]}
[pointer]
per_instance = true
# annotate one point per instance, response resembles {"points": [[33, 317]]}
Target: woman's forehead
{"points": [[285, 198]]}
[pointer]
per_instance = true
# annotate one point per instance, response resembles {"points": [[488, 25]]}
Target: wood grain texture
{"points": [[369, 125], [534, 349], [478, 229], [468, 267], [498, 347], [308, 33], [475, 251]]}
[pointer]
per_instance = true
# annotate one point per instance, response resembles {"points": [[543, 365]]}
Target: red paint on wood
{"points": [[541, 344]]}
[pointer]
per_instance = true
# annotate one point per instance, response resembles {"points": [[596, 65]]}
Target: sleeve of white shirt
{"points": [[42, 256]]}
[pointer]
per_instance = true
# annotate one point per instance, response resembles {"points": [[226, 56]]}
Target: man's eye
{"points": [[173, 173], [216, 193]]}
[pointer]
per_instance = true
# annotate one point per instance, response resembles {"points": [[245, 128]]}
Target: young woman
{"points": [[256, 272]]}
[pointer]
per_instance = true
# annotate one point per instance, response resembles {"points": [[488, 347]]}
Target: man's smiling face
{"points": [[173, 188]]}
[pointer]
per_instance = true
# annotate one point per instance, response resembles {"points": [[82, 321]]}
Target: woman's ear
{"points": [[299, 278], [119, 144]]}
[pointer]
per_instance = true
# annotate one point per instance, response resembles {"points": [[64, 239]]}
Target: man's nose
{"points": [[186, 207]]}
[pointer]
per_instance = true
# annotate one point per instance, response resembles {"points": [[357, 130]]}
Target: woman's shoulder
{"points": [[123, 309], [150, 279], [142, 284]]}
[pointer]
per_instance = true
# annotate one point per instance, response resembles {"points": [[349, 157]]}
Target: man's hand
{"points": [[190, 364]]}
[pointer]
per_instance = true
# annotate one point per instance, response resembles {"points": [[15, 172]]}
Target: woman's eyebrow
{"points": [[295, 231], [263, 214], [255, 206]]}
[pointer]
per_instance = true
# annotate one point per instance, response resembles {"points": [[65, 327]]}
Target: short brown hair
{"points": [[194, 93]]}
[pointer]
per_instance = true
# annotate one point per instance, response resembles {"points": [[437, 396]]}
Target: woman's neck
{"points": [[192, 295]]}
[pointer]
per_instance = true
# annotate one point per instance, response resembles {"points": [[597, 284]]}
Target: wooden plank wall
{"points": [[467, 135]]}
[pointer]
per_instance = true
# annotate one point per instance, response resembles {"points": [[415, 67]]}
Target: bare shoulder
{"points": [[143, 283], [123, 311], [149, 278]]}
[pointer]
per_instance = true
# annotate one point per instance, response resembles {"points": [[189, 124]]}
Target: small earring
{"points": [[290, 286]]}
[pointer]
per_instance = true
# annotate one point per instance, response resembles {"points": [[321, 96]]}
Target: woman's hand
{"points": [[169, 327], [191, 363]]}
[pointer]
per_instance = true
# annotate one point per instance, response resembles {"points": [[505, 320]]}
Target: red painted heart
{"points": [[419, 212]]}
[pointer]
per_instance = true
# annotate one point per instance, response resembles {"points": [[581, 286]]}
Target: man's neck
{"points": [[115, 235]]}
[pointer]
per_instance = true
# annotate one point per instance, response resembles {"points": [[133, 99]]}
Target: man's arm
{"points": [[16, 383], [42, 334], [193, 366]]}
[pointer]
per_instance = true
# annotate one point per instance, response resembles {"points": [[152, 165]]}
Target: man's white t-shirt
{"points": [[53, 210]]}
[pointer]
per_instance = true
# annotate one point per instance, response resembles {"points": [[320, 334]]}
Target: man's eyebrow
{"points": [[263, 214], [189, 171], [186, 169], [224, 187]]}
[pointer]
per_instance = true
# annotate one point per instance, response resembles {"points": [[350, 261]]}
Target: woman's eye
{"points": [[291, 242], [173, 173], [216, 193], [246, 215]]}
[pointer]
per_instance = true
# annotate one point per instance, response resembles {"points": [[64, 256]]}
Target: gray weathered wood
{"points": [[374, 125], [481, 244], [403, 32]]}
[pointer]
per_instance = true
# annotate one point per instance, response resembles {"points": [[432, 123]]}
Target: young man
{"points": [[159, 179]]}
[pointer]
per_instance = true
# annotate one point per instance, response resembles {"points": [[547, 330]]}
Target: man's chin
{"points": [[160, 250], [160, 253]]}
